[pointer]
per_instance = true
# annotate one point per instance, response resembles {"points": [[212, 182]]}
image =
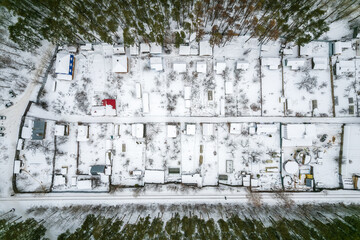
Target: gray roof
{"points": [[97, 169], [38, 132]]}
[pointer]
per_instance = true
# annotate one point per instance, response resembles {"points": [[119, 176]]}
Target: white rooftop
{"points": [[229, 87], [171, 131], [59, 130], [154, 176], [137, 130], [266, 128], [82, 134], [59, 180], [184, 50], [205, 49], [208, 129], [295, 63], [201, 67], [187, 93], [119, 49], [320, 63], [242, 65], [340, 46], [119, 64], [84, 184], [351, 150], [220, 67], [179, 67], [64, 66], [273, 63], [134, 50], [156, 63], [190, 129], [345, 67], [144, 48], [155, 48]]}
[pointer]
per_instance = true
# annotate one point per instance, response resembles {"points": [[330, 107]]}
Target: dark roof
{"points": [[174, 170], [38, 132], [223, 177], [97, 169]]}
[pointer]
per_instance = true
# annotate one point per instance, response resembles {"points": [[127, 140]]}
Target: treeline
{"points": [[171, 21]]}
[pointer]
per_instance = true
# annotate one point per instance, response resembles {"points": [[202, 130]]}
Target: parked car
{"points": [[2, 134], [12, 94], [9, 104], [2, 129], [2, 117], [323, 138]]}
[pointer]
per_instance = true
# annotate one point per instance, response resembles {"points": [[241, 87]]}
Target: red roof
{"points": [[111, 102]]}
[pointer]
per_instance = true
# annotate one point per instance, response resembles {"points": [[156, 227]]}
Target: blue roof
{"points": [[38, 132], [71, 64]]}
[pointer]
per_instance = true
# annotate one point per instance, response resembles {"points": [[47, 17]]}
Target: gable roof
{"points": [[64, 66], [119, 64]]}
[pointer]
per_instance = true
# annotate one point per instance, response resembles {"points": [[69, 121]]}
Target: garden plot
{"points": [[308, 91], [162, 149], [346, 87], [129, 159], [66, 156], [92, 152], [271, 92], [313, 157], [209, 161], [245, 97], [190, 151], [257, 155], [37, 157]]}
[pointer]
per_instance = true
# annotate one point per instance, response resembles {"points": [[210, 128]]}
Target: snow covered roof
{"points": [[201, 67], [83, 133], [145, 103], [288, 51], [191, 179], [266, 128], [305, 50], [242, 65], [137, 130], [144, 48], [220, 67], [84, 184], [119, 64], [229, 87], [235, 128], [351, 150], [17, 166], [194, 51], [291, 167], [295, 63], [345, 67], [187, 93], [320, 63], [273, 63], [190, 129], [59, 180], [340, 46], [208, 129], [98, 111], [205, 49], [119, 49], [299, 135], [134, 50], [26, 132], [171, 131], [138, 90], [154, 176], [86, 47], [179, 67], [155, 48], [184, 50], [59, 130], [64, 66], [156, 63]]}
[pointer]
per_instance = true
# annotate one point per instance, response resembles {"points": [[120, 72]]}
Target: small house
{"points": [[266, 128], [191, 179], [138, 90], [38, 131], [110, 106], [61, 130], [184, 50], [295, 63], [84, 184], [97, 169], [273, 63], [190, 129], [17, 166], [59, 180], [137, 130], [65, 66], [179, 67], [320, 63], [205, 49], [154, 176], [208, 129], [155, 48], [119, 49], [243, 65], [145, 103], [134, 50], [120, 64], [82, 133], [220, 67], [343, 67], [201, 67], [171, 131], [86, 47], [144, 48], [174, 170], [156, 64], [187, 93], [339, 47], [235, 128]]}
